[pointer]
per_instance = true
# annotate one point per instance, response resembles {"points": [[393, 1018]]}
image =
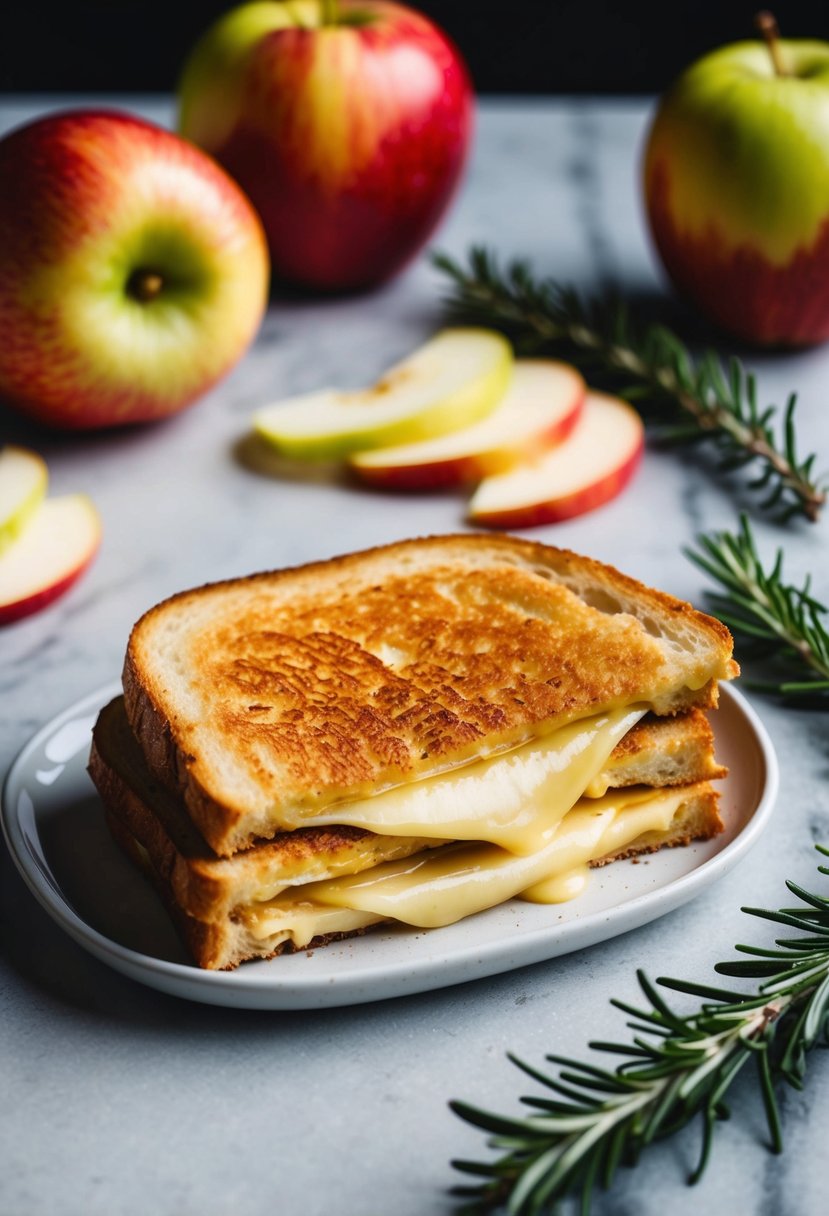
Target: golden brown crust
{"points": [[334, 679], [204, 885], [204, 942], [212, 945], [652, 733], [663, 752]]}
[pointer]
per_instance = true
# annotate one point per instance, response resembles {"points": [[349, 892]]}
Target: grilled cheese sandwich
{"points": [[413, 734]]}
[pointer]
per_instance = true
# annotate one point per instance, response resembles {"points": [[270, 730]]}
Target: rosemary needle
{"points": [[674, 1067], [770, 617], [687, 398]]}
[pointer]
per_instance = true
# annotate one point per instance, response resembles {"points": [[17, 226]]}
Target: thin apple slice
{"points": [[585, 471], [539, 409], [452, 381], [23, 481], [55, 548]]}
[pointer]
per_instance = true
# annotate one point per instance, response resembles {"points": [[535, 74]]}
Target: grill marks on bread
{"points": [[308, 686], [470, 661]]}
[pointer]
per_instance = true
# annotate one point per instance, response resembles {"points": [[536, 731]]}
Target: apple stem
{"points": [[766, 25], [144, 285], [329, 12]]}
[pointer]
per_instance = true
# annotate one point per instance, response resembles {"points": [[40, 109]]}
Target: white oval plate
{"points": [[55, 831]]}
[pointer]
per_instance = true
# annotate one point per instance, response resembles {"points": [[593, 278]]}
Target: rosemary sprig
{"points": [[675, 1068], [688, 398], [769, 616]]}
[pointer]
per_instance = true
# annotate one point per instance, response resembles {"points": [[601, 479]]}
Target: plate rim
{"points": [[256, 990]]}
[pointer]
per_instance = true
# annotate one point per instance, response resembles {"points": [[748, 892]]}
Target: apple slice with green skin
{"points": [[590, 467], [455, 379], [539, 409], [57, 545], [23, 481]]}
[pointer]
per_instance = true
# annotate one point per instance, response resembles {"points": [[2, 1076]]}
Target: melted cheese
{"points": [[558, 888], [515, 799], [598, 787], [301, 922], [457, 880]]}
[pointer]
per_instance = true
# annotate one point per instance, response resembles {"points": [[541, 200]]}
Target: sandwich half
{"points": [[271, 702], [409, 734], [306, 887]]}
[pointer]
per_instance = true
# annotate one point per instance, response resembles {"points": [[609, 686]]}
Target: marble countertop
{"points": [[118, 1100]]}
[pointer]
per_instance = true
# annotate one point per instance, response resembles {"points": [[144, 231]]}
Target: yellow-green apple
{"points": [[737, 189], [347, 124], [23, 481], [450, 382], [538, 410], [133, 270], [588, 469], [55, 547]]}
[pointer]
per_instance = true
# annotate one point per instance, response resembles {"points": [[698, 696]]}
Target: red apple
{"points": [[737, 188], [54, 548], [587, 470], [133, 271], [347, 124], [538, 410]]}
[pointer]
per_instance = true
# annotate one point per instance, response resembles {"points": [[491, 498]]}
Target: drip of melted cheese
{"points": [[558, 888], [598, 787], [446, 884], [515, 799]]}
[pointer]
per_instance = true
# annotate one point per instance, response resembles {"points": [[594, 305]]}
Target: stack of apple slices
{"points": [[45, 543], [461, 410]]}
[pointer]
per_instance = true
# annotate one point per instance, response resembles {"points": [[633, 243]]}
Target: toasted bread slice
{"points": [[328, 682], [697, 818], [211, 888], [662, 752]]}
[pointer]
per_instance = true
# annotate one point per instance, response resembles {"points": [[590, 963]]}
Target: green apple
{"points": [[23, 481], [133, 270], [456, 378], [737, 188]]}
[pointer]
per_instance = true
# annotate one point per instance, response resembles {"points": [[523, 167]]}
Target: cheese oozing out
{"points": [[514, 799], [447, 884]]}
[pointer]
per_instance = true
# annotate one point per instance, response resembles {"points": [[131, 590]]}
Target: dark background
{"points": [[512, 46]]}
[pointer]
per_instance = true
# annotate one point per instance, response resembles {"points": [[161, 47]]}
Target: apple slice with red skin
{"points": [[590, 467], [540, 408], [23, 481], [56, 546]]}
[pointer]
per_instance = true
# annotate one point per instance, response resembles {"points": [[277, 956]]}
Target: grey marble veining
{"points": [[117, 1100]]}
